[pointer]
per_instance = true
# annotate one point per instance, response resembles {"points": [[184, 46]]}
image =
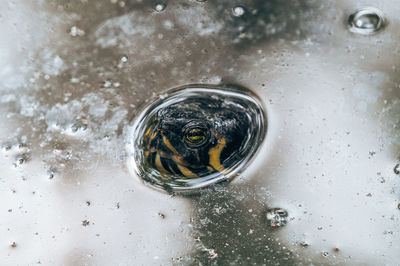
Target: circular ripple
{"points": [[195, 136]]}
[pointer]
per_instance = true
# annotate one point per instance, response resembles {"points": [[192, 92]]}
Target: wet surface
{"points": [[73, 75]]}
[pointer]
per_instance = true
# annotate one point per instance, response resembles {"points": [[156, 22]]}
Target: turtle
{"points": [[197, 135]]}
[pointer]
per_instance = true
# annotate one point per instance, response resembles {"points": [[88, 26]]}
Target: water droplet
{"points": [[75, 31], [277, 217], [21, 159], [396, 169], [51, 173], [85, 223], [74, 81], [124, 59], [6, 147], [160, 7], [238, 11], [304, 244], [366, 21], [107, 84], [79, 125], [195, 136]]}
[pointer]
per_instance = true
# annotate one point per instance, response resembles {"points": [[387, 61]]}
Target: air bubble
{"points": [[276, 217], [160, 7], [195, 136], [366, 21], [21, 159], [238, 11]]}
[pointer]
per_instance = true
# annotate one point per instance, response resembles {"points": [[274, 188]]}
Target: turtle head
{"points": [[196, 137]]}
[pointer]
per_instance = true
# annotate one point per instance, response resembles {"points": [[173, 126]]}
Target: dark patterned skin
{"points": [[196, 137]]}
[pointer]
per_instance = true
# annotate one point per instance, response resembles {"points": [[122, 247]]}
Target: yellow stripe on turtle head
{"points": [[169, 145], [146, 155], [159, 165], [215, 155], [155, 133], [148, 131], [186, 172]]}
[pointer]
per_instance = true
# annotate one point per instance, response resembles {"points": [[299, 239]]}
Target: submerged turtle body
{"points": [[198, 135]]}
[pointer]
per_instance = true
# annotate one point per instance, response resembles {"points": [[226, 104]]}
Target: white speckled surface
{"points": [[73, 75]]}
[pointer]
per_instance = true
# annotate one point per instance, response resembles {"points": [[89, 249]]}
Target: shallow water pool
{"points": [[322, 189]]}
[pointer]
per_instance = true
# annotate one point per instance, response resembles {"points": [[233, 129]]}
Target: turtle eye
{"points": [[195, 137]]}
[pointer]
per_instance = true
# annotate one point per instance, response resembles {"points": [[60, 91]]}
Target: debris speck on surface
{"points": [[276, 217], [85, 222], [396, 169]]}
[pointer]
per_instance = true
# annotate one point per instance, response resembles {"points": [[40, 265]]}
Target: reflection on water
{"points": [[73, 75]]}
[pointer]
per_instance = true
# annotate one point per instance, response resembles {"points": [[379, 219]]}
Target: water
{"points": [[68, 99], [196, 136]]}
